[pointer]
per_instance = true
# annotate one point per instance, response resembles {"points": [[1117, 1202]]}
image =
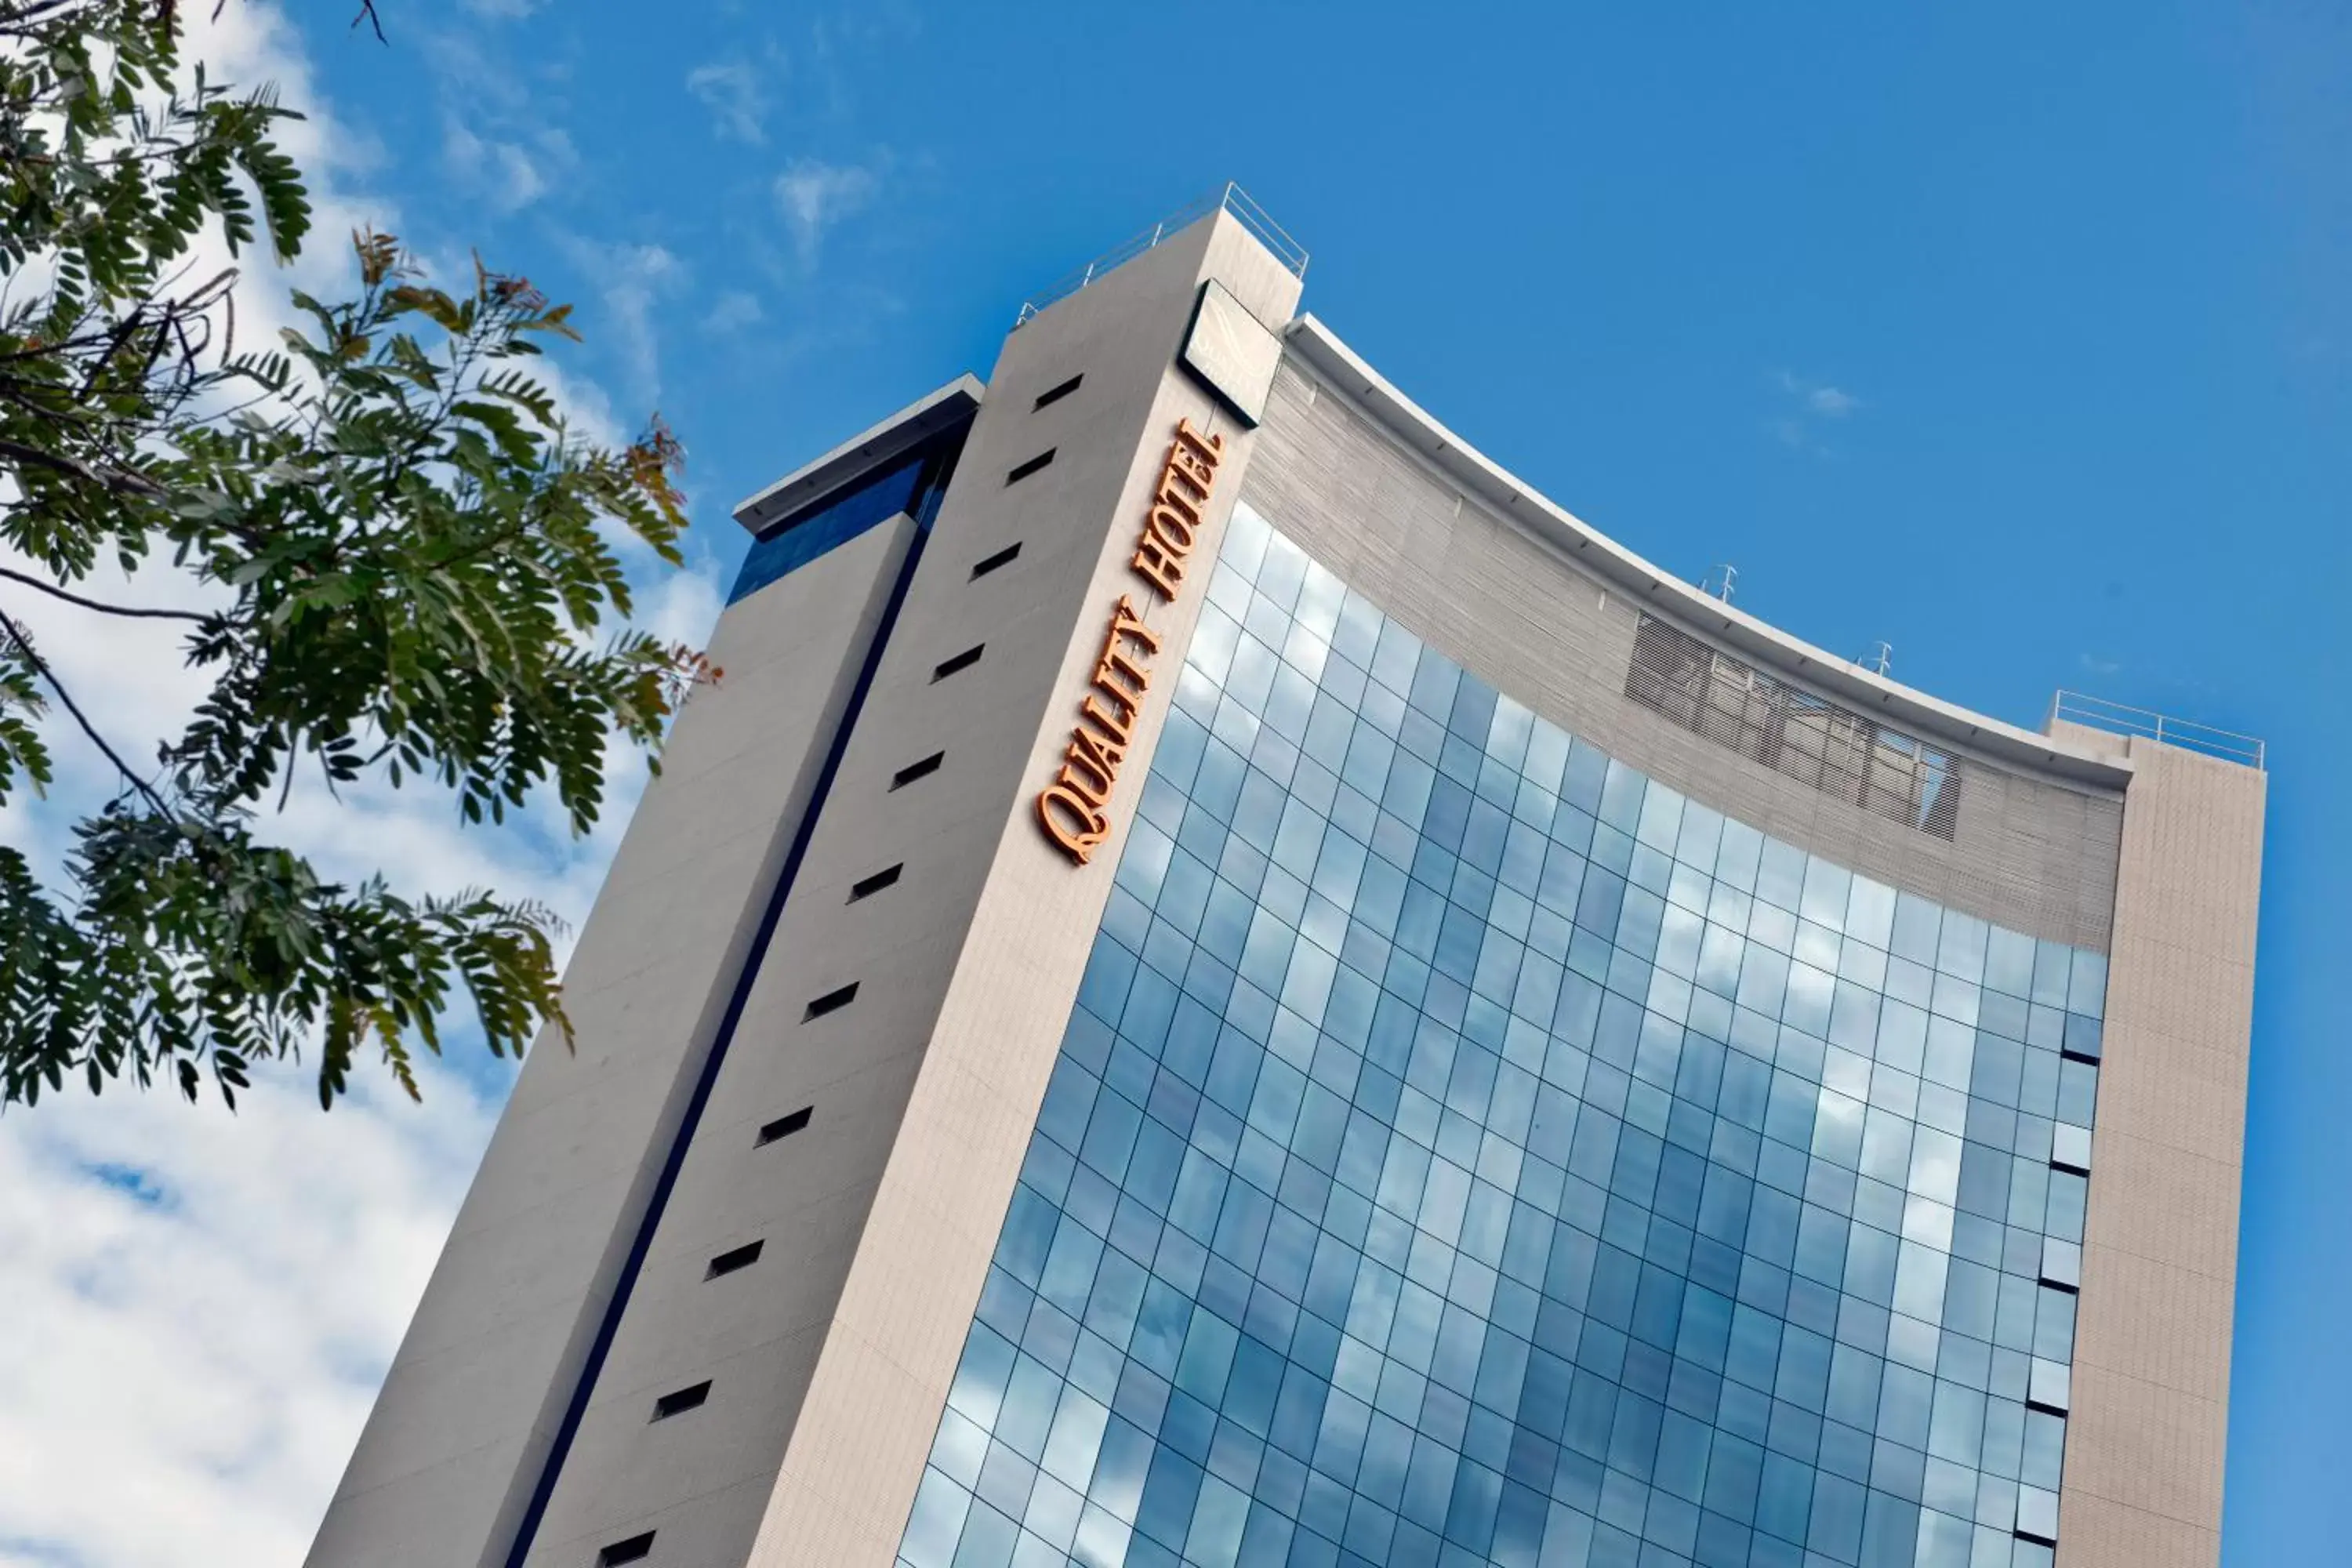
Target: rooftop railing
{"points": [[2118, 718], [1228, 197]]}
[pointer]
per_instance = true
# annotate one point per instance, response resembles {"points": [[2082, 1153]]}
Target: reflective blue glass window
{"points": [[907, 484], [1467, 1149]]}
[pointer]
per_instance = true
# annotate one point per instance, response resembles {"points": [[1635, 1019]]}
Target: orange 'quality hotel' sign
{"points": [[1071, 808]]}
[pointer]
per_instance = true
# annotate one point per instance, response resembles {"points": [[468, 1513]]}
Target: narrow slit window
{"points": [[867, 886], [682, 1401], [636, 1549], [1056, 393], [830, 1002], [1031, 467], [961, 661], [735, 1260], [785, 1126], [914, 770], [1003, 557]]}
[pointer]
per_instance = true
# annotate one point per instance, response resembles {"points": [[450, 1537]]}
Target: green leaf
{"points": [[417, 563]]}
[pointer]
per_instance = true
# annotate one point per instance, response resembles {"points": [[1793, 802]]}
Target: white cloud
{"points": [[199, 1305], [252, 42], [200, 1308], [816, 196], [1808, 403], [732, 311], [501, 139], [736, 95], [632, 280], [138, 663], [1831, 403], [512, 176], [1819, 397]]}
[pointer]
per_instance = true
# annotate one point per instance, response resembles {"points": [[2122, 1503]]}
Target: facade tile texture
{"points": [[2144, 1463]]}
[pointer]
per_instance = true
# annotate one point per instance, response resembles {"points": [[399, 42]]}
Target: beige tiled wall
{"points": [[455, 1444], [2148, 1428]]}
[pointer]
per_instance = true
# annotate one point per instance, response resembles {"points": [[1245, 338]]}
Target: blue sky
{"points": [[2019, 337]]}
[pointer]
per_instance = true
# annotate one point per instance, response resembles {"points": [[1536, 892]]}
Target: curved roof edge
{"points": [[1905, 707]]}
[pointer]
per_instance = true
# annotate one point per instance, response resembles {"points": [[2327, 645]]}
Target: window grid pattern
{"points": [[1466, 1149]]}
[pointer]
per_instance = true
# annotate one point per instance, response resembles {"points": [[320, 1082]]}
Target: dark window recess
{"points": [[870, 885], [684, 1400], [636, 1549], [914, 770], [1003, 557], [785, 1126], [963, 660], [1056, 393], [830, 1002], [1031, 467], [742, 1257]]}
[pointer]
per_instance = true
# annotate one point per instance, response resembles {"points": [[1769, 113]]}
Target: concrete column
{"points": [[2151, 1374]]}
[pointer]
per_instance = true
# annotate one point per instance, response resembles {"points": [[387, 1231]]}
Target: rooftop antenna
{"points": [[1881, 658], [1720, 581]]}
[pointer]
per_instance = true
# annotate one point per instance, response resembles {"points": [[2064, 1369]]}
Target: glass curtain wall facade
{"points": [[1467, 1149]]}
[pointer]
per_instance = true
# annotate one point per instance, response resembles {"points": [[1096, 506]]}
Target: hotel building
{"points": [[1222, 982]]}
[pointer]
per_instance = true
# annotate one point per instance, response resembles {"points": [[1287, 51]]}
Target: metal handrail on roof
{"points": [[2120, 719], [1228, 197]]}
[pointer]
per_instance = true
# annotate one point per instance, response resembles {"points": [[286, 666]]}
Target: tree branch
{"points": [[24, 647], [121, 481], [13, 17], [55, 592]]}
